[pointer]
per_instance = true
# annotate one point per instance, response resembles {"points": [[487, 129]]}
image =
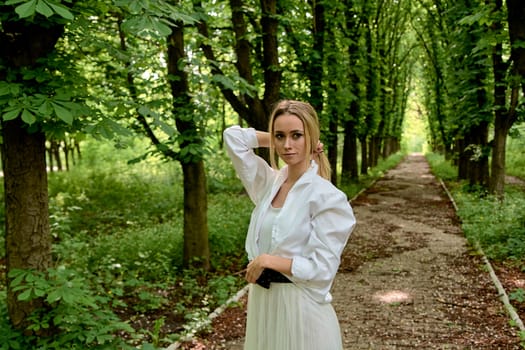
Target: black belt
{"points": [[268, 276]]}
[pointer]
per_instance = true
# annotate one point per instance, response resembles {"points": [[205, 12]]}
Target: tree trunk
{"points": [[350, 170], [28, 238], [315, 72], [55, 149], [374, 149], [479, 166], [473, 157], [349, 163], [196, 245], [505, 117], [332, 149], [497, 166], [364, 155], [270, 63], [501, 121]]}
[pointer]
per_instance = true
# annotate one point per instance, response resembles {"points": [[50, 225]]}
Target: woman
{"points": [[298, 229]]}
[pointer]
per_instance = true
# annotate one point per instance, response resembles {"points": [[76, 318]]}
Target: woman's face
{"points": [[289, 139]]}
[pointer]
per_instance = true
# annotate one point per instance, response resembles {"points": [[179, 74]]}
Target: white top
{"points": [[313, 225], [265, 237]]}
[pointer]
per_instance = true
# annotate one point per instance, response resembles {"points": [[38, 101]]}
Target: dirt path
{"points": [[407, 279]]}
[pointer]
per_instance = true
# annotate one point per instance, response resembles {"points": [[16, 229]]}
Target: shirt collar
{"points": [[307, 177]]}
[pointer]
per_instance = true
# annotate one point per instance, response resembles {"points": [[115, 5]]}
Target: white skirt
{"points": [[285, 318]]}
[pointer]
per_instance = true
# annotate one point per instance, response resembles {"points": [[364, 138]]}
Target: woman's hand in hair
{"points": [[319, 149]]}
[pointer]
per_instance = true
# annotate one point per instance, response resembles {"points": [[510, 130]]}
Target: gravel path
{"points": [[408, 279]]}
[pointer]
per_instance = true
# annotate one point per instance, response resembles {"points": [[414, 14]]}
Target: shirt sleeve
{"points": [[332, 222], [254, 172]]}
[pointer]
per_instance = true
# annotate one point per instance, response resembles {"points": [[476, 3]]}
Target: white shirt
{"points": [[313, 225], [265, 236]]}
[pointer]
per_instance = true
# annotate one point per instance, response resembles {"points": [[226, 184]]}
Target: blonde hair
{"points": [[306, 113]]}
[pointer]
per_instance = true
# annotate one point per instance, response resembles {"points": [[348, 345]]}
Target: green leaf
{"points": [[135, 6], [43, 8], [30, 277], [223, 80], [4, 88], [45, 108], [12, 114], [18, 275], [62, 11], [71, 299], [39, 292], [63, 113], [26, 295], [28, 117], [13, 344], [27, 9], [160, 28], [145, 111], [54, 296]]}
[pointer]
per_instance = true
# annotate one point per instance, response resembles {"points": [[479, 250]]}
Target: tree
{"points": [[506, 90], [241, 92], [32, 100], [458, 98], [472, 121], [195, 189], [182, 115], [354, 35], [432, 33]]}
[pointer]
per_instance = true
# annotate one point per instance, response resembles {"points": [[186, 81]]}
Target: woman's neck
{"points": [[295, 172]]}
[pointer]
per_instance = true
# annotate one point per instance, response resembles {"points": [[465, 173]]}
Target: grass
{"points": [[498, 226], [515, 162], [118, 227]]}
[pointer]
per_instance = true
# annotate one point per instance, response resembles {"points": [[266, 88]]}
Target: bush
{"points": [[515, 161], [498, 226], [75, 316], [442, 168]]}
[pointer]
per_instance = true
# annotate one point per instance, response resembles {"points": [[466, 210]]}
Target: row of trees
{"points": [[474, 80], [172, 70]]}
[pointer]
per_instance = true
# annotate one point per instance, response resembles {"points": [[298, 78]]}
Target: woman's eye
{"points": [[297, 135], [278, 136]]}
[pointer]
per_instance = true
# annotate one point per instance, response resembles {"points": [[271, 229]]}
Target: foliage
{"points": [[515, 162], [119, 228], [43, 7], [498, 226], [518, 295], [79, 317], [441, 168], [102, 192]]}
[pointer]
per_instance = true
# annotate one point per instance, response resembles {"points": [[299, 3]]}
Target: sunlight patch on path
{"points": [[392, 296]]}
